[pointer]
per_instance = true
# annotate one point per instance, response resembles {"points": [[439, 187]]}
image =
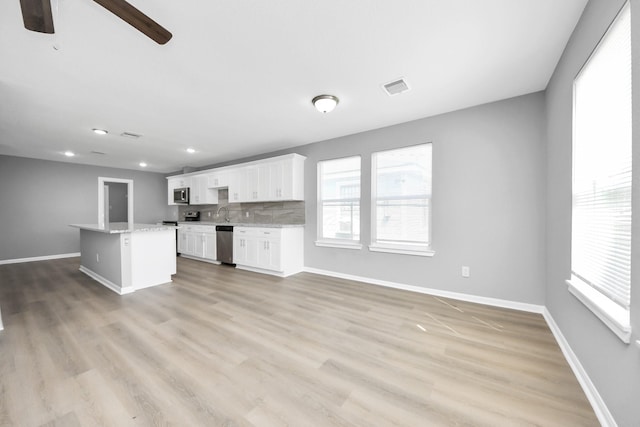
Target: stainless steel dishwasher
{"points": [[224, 243]]}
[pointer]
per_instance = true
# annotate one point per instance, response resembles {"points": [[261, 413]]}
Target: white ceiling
{"points": [[237, 77]]}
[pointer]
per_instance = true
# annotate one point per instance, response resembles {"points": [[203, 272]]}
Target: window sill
{"points": [[611, 314], [338, 244], [403, 250]]}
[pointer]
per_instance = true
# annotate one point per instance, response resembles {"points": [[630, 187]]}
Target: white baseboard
{"points": [[1, 326], [39, 258], [496, 302], [599, 407], [106, 282]]}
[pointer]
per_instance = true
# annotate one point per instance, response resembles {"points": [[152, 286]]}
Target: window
{"points": [[601, 211], [401, 201], [339, 202]]}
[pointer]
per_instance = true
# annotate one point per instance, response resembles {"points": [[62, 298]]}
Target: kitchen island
{"points": [[127, 258]]}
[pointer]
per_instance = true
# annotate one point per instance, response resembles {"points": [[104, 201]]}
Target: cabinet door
{"points": [[276, 181], [252, 248], [182, 241], [269, 254], [194, 197], [273, 260], [256, 183], [239, 250], [286, 179], [218, 179], [210, 246], [191, 244], [199, 245], [235, 178]]}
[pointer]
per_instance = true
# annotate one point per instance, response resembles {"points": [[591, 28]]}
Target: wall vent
{"points": [[395, 87]]}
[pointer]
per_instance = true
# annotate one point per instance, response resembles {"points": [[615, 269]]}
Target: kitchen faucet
{"points": [[226, 216]]}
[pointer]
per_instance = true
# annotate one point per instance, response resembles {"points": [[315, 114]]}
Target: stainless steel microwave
{"points": [[181, 195]]}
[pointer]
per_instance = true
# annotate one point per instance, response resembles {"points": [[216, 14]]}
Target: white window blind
{"points": [[601, 215], [401, 204], [339, 199]]}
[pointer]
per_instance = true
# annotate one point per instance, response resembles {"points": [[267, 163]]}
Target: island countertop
{"points": [[123, 227]]}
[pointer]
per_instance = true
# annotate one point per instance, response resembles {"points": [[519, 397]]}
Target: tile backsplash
{"points": [[248, 213]]}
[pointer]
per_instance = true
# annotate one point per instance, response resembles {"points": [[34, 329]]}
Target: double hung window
{"points": [[601, 210], [339, 202], [401, 201]]}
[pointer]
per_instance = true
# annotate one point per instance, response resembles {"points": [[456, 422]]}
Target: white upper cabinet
{"points": [[174, 182], [275, 179], [201, 194], [287, 179], [218, 178], [254, 183]]}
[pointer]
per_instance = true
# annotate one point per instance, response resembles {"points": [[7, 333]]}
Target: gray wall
{"points": [[39, 198], [613, 366], [488, 201], [118, 201]]}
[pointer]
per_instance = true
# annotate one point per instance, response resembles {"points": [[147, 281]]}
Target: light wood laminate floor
{"points": [[223, 347]]}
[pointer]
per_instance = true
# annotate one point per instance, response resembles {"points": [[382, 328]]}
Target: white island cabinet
{"points": [[271, 250], [128, 258]]}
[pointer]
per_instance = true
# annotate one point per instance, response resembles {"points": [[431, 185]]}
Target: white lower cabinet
{"points": [[197, 241], [269, 250]]}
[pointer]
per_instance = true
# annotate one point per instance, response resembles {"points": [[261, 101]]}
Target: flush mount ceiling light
{"points": [[69, 153], [191, 150], [325, 103], [100, 131], [143, 164]]}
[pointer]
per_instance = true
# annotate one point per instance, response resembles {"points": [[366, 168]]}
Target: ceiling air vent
{"points": [[130, 135], [98, 152], [395, 87]]}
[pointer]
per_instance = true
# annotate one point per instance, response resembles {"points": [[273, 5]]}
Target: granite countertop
{"points": [[123, 227], [237, 224]]}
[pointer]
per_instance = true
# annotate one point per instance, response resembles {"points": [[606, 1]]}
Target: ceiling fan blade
{"points": [[138, 20], [37, 16]]}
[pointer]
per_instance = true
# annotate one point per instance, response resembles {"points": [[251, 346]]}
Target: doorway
{"points": [[115, 201]]}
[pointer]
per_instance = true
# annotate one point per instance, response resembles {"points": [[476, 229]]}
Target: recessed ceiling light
{"points": [[69, 153], [143, 164], [190, 150], [100, 131], [130, 135], [325, 103]]}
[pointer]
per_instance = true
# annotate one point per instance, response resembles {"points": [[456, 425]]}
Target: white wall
{"points": [[612, 366]]}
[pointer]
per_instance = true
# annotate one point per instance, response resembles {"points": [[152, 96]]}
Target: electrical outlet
{"points": [[246, 214], [465, 271], [209, 214]]}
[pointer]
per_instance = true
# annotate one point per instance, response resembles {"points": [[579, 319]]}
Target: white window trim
{"points": [[616, 317], [327, 241], [611, 314], [418, 250], [340, 244]]}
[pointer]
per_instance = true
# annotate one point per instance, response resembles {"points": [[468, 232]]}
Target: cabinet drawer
{"points": [[258, 232]]}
